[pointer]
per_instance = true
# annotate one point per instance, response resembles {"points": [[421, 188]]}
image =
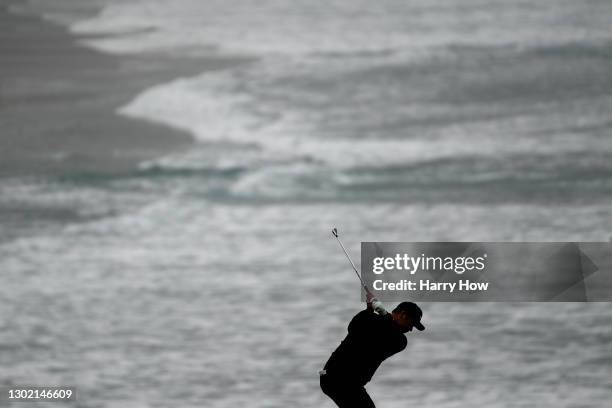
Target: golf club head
{"points": [[335, 232]]}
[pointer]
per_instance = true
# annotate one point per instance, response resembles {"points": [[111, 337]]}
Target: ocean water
{"points": [[208, 278]]}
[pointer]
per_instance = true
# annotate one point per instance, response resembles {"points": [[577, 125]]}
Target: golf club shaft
{"points": [[351, 261]]}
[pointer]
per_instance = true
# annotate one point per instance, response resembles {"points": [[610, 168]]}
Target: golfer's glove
{"points": [[378, 307]]}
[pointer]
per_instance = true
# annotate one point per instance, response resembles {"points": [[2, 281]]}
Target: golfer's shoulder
{"points": [[371, 318], [364, 315], [363, 318]]}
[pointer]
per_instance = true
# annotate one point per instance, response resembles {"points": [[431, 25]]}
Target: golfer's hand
{"points": [[369, 297]]}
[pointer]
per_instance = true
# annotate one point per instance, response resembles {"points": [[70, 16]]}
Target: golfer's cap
{"points": [[414, 311]]}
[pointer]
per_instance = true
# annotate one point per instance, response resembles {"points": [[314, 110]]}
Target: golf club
{"points": [[335, 234]]}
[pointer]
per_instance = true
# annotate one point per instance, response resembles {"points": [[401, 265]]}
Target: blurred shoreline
{"points": [[59, 100], [59, 103]]}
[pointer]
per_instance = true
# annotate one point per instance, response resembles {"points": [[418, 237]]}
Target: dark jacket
{"points": [[370, 340]]}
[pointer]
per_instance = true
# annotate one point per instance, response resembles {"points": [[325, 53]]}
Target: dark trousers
{"points": [[345, 394]]}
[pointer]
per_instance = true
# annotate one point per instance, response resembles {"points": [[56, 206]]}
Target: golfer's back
{"points": [[370, 340]]}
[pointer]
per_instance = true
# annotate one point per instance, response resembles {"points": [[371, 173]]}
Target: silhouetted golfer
{"points": [[373, 336]]}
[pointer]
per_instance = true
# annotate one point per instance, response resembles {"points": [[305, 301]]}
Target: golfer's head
{"points": [[408, 315]]}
